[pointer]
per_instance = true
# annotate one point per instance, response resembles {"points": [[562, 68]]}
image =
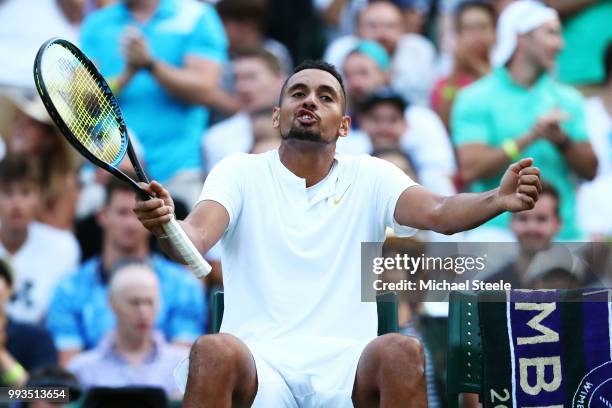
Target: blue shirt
{"points": [[169, 130], [80, 315]]}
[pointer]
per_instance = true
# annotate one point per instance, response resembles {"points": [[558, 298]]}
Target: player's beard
{"points": [[305, 135]]}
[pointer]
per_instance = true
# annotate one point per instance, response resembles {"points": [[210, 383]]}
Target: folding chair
{"points": [[464, 367], [386, 304]]}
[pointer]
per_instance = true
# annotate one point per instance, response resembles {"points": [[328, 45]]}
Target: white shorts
{"points": [[309, 372]]}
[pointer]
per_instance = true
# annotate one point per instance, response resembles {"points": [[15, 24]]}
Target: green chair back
{"points": [[464, 367], [217, 311], [386, 304]]}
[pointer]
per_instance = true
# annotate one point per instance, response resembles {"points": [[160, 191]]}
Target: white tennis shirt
{"points": [[291, 265]]}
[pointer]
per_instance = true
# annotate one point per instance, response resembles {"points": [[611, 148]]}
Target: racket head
{"points": [[82, 105], [80, 102]]}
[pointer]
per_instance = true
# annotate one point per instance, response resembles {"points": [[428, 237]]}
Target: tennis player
{"points": [[290, 222]]}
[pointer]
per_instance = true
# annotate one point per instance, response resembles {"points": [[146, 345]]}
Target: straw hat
{"points": [[13, 102]]}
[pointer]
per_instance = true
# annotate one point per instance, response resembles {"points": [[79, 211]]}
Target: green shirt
{"points": [[495, 109], [586, 35]]}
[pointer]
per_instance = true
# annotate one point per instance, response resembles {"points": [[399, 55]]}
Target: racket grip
{"points": [[185, 247]]}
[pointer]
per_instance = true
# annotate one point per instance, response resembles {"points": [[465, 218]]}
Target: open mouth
{"points": [[306, 117]]}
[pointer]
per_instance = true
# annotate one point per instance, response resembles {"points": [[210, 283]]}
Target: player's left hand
{"points": [[520, 186]]}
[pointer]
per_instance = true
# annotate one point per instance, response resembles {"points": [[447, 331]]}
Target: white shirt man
{"points": [[353, 204], [47, 255], [258, 78], [425, 141]]}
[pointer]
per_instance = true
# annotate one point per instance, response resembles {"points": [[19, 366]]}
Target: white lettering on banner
{"points": [[581, 400], [540, 364], [496, 396], [548, 335]]}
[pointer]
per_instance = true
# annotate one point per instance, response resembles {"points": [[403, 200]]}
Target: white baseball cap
{"points": [[519, 17]]}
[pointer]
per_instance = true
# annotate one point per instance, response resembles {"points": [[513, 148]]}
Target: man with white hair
{"points": [[134, 354], [520, 110]]}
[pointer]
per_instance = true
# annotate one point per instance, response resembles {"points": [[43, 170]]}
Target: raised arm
{"points": [[204, 226], [422, 209]]}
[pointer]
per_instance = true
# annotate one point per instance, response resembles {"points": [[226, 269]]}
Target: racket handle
{"points": [[185, 247]]}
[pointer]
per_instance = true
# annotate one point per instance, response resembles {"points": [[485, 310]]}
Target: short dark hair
{"points": [[315, 64], [6, 272], [17, 168], [550, 190], [116, 184], [466, 5], [256, 11], [263, 55], [608, 63]]}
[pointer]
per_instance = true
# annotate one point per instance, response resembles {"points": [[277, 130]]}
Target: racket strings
{"points": [[83, 105]]}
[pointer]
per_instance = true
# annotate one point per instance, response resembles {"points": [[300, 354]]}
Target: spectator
{"points": [[412, 55], [133, 354], [80, 315], [593, 197], [245, 22], [365, 69], [40, 254], [166, 69], [535, 231], [28, 130], [399, 158], [383, 120], [339, 15], [23, 347], [297, 26], [414, 14], [519, 110], [475, 36], [555, 278], [425, 140], [586, 31], [258, 78], [265, 138]]}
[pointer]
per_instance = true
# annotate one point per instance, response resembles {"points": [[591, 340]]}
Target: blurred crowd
{"points": [[451, 91]]}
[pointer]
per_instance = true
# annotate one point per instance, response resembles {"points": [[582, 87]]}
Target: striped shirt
{"points": [[104, 367]]}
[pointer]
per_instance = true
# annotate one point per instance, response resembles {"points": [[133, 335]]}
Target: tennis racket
{"points": [[82, 105]]}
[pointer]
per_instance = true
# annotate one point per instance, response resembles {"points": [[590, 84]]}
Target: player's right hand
{"points": [[155, 212]]}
